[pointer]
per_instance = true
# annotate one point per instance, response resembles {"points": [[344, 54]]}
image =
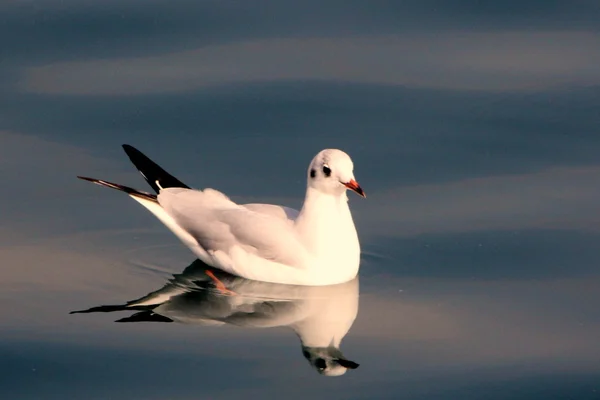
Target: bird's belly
{"points": [[336, 261]]}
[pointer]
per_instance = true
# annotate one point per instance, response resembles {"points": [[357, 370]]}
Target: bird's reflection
{"points": [[320, 316]]}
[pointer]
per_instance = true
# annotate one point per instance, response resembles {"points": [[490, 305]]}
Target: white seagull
{"points": [[316, 246]]}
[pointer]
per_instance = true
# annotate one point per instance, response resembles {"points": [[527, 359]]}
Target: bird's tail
{"points": [[158, 178]]}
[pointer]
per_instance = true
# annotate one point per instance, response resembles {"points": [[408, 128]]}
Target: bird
{"points": [[315, 246], [320, 316]]}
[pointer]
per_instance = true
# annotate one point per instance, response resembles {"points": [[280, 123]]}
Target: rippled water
{"points": [[473, 128]]}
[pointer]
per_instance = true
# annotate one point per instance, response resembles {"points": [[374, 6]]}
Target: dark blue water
{"points": [[473, 127]]}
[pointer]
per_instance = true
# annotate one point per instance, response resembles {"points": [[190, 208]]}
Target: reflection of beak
{"points": [[347, 363], [353, 185]]}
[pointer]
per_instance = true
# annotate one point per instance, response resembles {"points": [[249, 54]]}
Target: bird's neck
{"points": [[330, 312], [325, 224]]}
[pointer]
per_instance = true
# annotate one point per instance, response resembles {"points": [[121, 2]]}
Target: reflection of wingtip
{"points": [[108, 308], [145, 316]]}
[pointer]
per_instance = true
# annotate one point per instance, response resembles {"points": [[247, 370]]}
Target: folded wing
{"points": [[220, 225]]}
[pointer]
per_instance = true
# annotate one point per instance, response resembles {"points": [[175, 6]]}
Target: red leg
{"points": [[219, 285]]}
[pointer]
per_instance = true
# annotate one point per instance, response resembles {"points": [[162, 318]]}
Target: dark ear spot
{"points": [[313, 173], [347, 363], [326, 170]]}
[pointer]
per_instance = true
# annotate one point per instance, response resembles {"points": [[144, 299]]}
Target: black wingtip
{"points": [[122, 188], [155, 175]]}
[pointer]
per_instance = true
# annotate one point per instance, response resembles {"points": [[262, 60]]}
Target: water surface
{"points": [[473, 129]]}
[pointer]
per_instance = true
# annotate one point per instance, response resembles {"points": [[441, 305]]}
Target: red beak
{"points": [[354, 186]]}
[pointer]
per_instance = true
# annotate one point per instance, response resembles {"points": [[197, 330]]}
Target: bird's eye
{"points": [[313, 173], [320, 363], [326, 170]]}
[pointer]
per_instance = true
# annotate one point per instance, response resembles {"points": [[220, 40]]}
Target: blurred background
{"points": [[473, 126]]}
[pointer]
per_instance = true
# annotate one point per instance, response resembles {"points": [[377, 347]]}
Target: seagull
{"points": [[320, 316], [315, 246]]}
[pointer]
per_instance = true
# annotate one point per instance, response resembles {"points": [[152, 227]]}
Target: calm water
{"points": [[474, 129]]}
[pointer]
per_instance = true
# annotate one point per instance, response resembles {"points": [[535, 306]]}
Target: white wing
{"points": [[220, 225], [286, 213]]}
